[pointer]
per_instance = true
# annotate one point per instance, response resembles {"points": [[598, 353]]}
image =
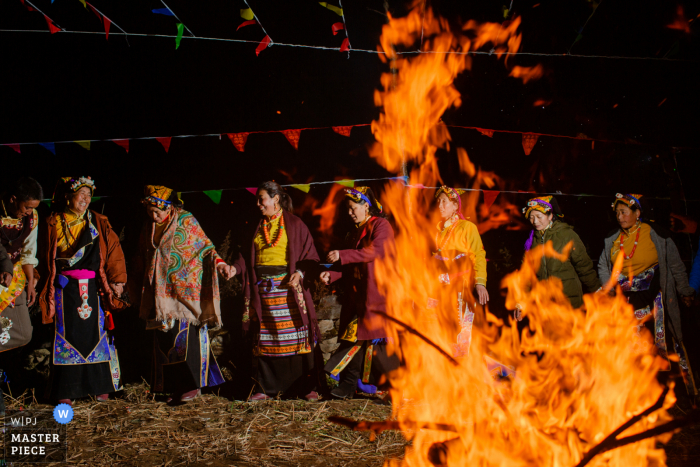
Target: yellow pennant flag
{"points": [[347, 183], [81, 1], [305, 187], [85, 144], [333, 8], [247, 14]]}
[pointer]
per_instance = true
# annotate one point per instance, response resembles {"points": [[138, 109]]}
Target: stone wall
{"points": [[328, 313]]}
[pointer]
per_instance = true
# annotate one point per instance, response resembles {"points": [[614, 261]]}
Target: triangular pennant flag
{"points": [[529, 140], [165, 141], [345, 46], [337, 27], [85, 144], [347, 183], [490, 197], [305, 187], [52, 27], [263, 44], [247, 14], [293, 137], [254, 191], [99, 16], [95, 198], [14, 146], [27, 6], [83, 2], [238, 140], [106, 22], [342, 130], [47, 202], [215, 195], [123, 143], [50, 146], [245, 23], [333, 8], [180, 29], [484, 132], [163, 11]]}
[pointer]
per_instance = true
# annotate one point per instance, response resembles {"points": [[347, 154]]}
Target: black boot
{"points": [[349, 377], [346, 390]]}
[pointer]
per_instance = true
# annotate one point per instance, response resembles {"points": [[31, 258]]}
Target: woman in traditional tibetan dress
{"points": [[278, 300], [361, 360], [545, 216], [85, 280], [179, 297], [652, 276], [462, 258]]}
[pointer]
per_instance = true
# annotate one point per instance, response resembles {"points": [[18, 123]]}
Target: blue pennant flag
{"points": [[163, 11], [50, 146]]}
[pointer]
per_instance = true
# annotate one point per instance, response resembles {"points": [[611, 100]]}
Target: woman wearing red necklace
{"points": [[652, 275], [361, 360], [278, 301]]}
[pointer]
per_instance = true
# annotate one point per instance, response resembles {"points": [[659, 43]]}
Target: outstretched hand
{"points": [[333, 256], [325, 277], [226, 271]]}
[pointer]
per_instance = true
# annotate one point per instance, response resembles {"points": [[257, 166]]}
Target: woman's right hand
{"points": [[333, 256], [325, 277]]}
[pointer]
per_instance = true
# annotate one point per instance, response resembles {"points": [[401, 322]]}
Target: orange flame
{"points": [[328, 213], [576, 378]]}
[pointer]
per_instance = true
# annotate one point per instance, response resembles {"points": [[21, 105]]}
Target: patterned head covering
{"points": [[363, 193], [454, 195], [542, 204], [158, 196], [69, 185], [630, 200]]}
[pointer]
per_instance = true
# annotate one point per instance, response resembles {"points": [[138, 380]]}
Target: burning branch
{"points": [[378, 427], [421, 335]]}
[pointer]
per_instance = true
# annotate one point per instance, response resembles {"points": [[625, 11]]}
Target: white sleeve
{"points": [[29, 246]]}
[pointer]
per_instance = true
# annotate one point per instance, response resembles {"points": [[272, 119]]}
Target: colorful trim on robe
{"points": [[9, 294]]}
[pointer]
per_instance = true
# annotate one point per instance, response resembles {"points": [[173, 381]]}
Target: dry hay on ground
{"points": [[136, 430]]}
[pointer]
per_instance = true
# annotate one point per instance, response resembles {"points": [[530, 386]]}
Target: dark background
{"points": [[66, 87]]}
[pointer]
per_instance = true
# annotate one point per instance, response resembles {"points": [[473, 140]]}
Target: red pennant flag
{"points": [[123, 143], [484, 132], [239, 140], [293, 137], [52, 27], [254, 191], [345, 45], [337, 27], [14, 146], [529, 140], [245, 23], [490, 197], [342, 130], [99, 16], [107, 22], [165, 142], [263, 44], [27, 6]]}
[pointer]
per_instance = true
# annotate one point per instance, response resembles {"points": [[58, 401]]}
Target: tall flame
{"points": [[577, 378]]}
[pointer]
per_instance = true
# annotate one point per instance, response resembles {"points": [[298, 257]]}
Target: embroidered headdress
{"points": [[159, 196], [545, 205], [454, 195], [363, 193], [630, 200], [69, 185]]}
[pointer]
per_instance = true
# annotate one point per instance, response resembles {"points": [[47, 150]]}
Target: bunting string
{"points": [[173, 13]]}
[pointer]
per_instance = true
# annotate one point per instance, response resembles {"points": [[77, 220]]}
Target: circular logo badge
{"points": [[63, 413]]}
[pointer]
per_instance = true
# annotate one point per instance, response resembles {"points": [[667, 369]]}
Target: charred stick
{"points": [[378, 427], [420, 335]]}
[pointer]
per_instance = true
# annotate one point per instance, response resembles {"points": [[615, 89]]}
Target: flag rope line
{"points": [[171, 11]]}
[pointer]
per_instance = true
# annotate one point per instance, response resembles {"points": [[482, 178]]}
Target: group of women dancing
{"points": [[174, 283]]}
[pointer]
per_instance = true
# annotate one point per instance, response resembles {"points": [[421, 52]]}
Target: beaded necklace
{"points": [[451, 228], [266, 230], [636, 240]]}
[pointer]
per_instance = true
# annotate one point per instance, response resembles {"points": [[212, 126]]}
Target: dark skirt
{"points": [[368, 372], [76, 381], [292, 376]]}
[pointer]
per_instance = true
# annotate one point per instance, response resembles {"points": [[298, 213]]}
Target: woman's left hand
{"points": [[333, 256], [117, 288], [688, 300], [226, 271], [483, 294], [295, 280]]}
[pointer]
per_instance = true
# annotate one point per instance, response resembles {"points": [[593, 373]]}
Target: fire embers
{"points": [[84, 310]]}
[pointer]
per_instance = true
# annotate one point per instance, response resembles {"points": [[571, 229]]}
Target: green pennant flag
{"points": [[180, 28], [95, 198], [47, 202], [85, 144], [215, 195], [305, 187], [347, 183]]}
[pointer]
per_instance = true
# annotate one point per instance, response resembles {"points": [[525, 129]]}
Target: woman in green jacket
{"points": [[545, 216]]}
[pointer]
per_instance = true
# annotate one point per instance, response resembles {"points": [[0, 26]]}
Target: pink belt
{"points": [[79, 274]]}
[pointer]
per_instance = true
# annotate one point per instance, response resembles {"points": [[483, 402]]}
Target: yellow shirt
{"points": [[465, 239], [645, 255], [271, 256], [68, 241]]}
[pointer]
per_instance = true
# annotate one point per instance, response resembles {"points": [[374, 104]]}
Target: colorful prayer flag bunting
{"points": [[337, 27], [165, 142], [333, 8], [15, 147], [83, 2], [163, 11], [215, 195], [103, 19], [342, 130], [489, 197], [484, 132], [345, 46], [52, 27], [123, 143], [84, 143], [180, 29], [293, 137], [50, 146], [247, 14], [263, 44], [529, 140], [239, 140], [245, 23], [29, 8], [254, 191], [304, 187], [347, 183]]}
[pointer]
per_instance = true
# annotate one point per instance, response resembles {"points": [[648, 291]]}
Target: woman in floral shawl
{"points": [[180, 295]]}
